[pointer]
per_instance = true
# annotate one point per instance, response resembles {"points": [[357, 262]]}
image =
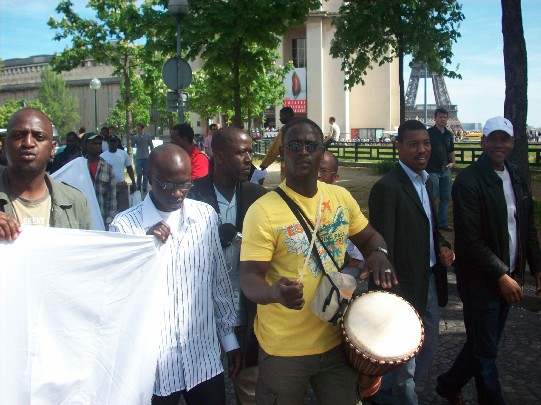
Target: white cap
{"points": [[498, 124]]}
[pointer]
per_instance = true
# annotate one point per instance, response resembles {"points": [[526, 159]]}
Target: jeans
{"points": [[485, 313], [141, 167], [208, 392], [431, 323], [441, 188]]}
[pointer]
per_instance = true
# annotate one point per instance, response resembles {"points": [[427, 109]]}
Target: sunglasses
{"points": [[172, 186], [326, 171], [297, 147]]}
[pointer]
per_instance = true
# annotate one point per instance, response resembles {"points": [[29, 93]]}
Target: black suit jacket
{"points": [[397, 213], [247, 193]]}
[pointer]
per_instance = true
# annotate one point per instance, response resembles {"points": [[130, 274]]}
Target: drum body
{"points": [[381, 331]]}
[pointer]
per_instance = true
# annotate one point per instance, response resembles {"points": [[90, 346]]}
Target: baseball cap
{"points": [[91, 135], [498, 124], [113, 138]]}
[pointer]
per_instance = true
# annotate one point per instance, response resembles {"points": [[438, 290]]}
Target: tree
{"points": [[10, 107], [113, 38], [516, 79], [378, 31], [240, 37], [61, 106]]}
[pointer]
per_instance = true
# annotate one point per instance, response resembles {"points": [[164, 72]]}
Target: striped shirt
{"points": [[200, 308]]}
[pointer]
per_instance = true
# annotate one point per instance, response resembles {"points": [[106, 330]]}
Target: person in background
{"points": [[442, 160], [200, 313], [286, 116], [143, 142], [102, 176], [495, 235], [28, 196], [81, 133], [120, 160], [208, 140], [402, 210], [227, 190], [334, 131], [70, 152], [183, 135]]}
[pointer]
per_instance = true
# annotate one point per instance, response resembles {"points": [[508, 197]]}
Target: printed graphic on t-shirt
{"points": [[333, 231]]}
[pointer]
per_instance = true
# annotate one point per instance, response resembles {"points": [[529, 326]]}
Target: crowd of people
{"points": [[244, 263]]}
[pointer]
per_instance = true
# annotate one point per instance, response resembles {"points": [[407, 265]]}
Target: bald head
{"points": [[169, 173], [328, 168], [25, 113]]}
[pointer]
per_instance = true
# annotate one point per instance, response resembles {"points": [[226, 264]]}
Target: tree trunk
{"points": [[127, 103], [516, 80], [237, 119], [401, 83]]}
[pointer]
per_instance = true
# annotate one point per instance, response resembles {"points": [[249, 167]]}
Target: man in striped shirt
{"points": [[199, 314]]}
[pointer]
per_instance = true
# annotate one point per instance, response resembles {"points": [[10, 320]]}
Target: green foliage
{"points": [[378, 31], [237, 40], [114, 36], [384, 166], [10, 107], [61, 106]]}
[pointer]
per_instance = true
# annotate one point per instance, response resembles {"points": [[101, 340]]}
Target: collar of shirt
{"points": [[414, 177], [151, 216], [228, 209]]}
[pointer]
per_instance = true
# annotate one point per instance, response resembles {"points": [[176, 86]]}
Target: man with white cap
{"points": [[495, 235]]}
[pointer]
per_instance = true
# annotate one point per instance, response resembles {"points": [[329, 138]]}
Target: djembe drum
{"points": [[381, 331]]}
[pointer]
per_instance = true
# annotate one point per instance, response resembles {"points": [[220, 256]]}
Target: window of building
{"points": [[298, 52]]}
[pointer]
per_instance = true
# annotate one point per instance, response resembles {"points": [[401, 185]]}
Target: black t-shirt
{"points": [[442, 146]]}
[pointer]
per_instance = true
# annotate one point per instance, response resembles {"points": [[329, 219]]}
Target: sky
{"points": [[478, 53]]}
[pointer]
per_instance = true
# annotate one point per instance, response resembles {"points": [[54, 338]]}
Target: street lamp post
{"points": [[95, 85], [179, 8]]}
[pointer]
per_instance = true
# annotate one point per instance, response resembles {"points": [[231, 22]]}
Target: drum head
{"points": [[383, 326]]}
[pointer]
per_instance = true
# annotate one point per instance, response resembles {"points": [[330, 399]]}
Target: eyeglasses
{"points": [[172, 186], [297, 147], [326, 171]]}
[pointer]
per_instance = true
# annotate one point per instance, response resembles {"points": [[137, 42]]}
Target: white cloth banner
{"points": [[75, 173], [79, 317]]}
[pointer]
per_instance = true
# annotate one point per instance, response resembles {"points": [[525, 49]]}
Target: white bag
{"points": [[334, 291]]}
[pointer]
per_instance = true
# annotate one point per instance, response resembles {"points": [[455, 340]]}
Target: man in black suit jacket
{"points": [[402, 211], [226, 189]]}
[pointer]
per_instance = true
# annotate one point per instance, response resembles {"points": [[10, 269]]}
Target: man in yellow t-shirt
{"points": [[296, 346]]}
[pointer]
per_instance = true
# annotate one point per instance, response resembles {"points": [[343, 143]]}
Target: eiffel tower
{"points": [[441, 96]]}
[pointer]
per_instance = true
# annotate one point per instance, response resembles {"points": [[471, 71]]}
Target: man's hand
{"points": [[381, 269], [234, 360], [288, 293], [133, 188], [537, 277], [161, 230], [9, 227], [451, 165], [509, 289], [447, 256]]}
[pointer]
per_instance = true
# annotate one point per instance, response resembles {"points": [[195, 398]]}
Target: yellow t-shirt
{"points": [[271, 233]]}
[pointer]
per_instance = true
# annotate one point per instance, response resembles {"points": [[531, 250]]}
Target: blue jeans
{"points": [[441, 188], [485, 313], [141, 167], [431, 323]]}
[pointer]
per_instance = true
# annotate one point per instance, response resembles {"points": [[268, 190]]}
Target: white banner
{"points": [[75, 173], [79, 317]]}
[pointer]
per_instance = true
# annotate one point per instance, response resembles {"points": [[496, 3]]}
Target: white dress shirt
{"points": [[200, 308]]}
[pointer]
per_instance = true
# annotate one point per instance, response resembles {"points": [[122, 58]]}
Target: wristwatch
{"points": [[381, 249]]}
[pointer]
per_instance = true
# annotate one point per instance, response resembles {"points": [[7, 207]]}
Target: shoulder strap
{"points": [[303, 219]]}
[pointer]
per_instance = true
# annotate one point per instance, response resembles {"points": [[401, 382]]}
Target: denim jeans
{"points": [[441, 188], [485, 313], [431, 323], [141, 167]]}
